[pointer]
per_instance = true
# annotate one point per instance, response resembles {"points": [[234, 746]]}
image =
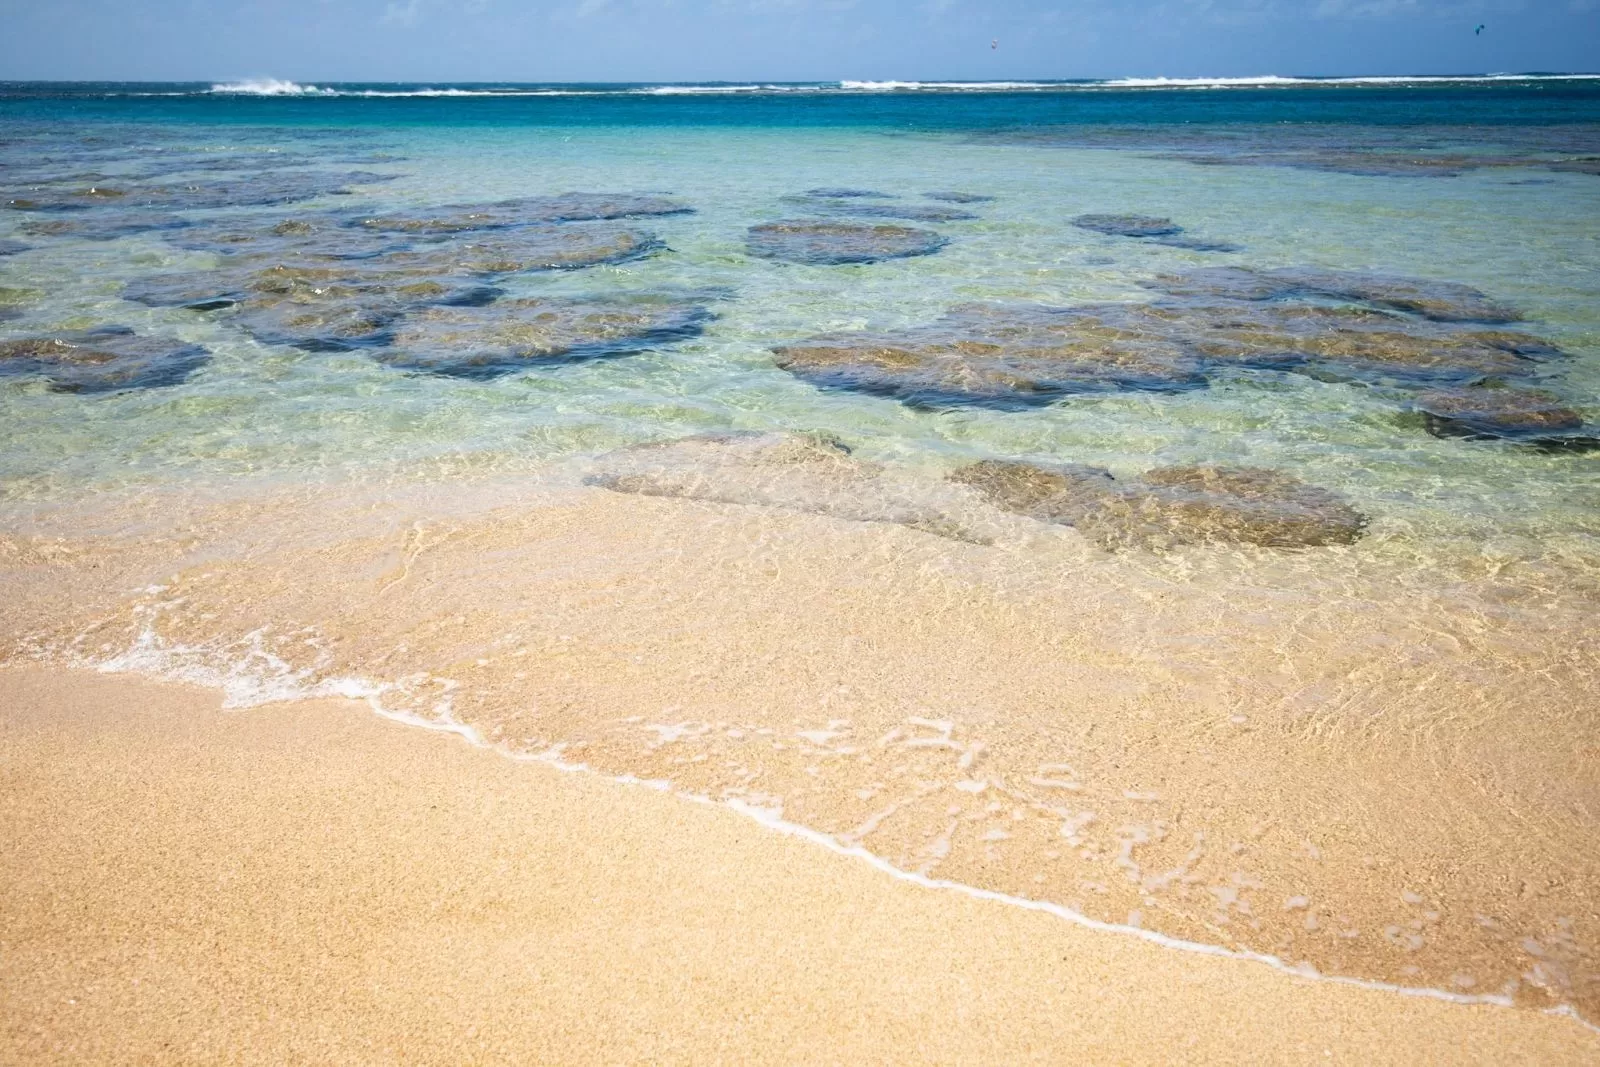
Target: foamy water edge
{"points": [[243, 685]]}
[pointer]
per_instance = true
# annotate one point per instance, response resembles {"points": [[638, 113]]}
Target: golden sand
{"points": [[1350, 759], [308, 883]]}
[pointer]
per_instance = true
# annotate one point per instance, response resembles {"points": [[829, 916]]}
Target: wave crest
{"points": [[270, 87]]}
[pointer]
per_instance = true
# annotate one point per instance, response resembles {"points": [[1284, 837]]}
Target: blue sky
{"points": [[690, 40]]}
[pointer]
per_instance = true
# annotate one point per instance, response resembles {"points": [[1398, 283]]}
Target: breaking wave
{"points": [[270, 87], [283, 88]]}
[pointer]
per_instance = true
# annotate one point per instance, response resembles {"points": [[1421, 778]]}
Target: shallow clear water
{"points": [[1525, 236], [1390, 667]]}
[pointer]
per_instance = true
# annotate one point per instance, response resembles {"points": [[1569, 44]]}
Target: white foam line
{"points": [[273, 87], [372, 695], [774, 821]]}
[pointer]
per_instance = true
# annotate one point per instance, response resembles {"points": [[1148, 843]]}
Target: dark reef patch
{"points": [[311, 236], [796, 472], [102, 360], [1529, 416], [565, 207], [877, 210], [1436, 300], [1128, 225], [842, 193], [1171, 506], [102, 225], [512, 335], [826, 243], [1390, 151], [1001, 356], [260, 190], [1159, 231], [540, 247]]}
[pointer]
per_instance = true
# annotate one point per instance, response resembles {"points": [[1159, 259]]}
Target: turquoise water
{"points": [[305, 474], [1318, 178]]}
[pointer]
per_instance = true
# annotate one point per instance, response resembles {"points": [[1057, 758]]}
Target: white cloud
{"points": [[402, 15], [1366, 9]]}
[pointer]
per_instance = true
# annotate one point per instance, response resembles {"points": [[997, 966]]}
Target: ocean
{"points": [[1176, 502]]}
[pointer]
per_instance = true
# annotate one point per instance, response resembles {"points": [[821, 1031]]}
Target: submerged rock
{"points": [[12, 301], [840, 193], [11, 248], [319, 325], [1128, 225], [1435, 300], [103, 360], [1171, 505], [325, 236], [960, 198], [1533, 416], [1197, 244], [796, 472], [512, 335], [1155, 230], [206, 290], [867, 209], [345, 313], [1002, 356], [62, 197], [345, 290], [565, 207], [1061, 493], [102, 225], [542, 247], [834, 243], [259, 190], [1351, 343]]}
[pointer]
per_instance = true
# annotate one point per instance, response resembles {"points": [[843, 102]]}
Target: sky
{"points": [[784, 40]]}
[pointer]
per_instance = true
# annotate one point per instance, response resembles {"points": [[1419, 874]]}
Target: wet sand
{"points": [[309, 883], [1355, 761]]}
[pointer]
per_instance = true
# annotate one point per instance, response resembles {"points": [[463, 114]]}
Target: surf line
{"points": [[371, 694]]}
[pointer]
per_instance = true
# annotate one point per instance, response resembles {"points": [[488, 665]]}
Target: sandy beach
{"points": [[309, 883]]}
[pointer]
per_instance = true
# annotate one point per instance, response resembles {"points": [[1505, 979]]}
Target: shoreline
{"points": [[187, 879], [1027, 721]]}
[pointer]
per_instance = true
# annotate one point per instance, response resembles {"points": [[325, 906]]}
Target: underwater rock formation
{"points": [[1351, 343], [314, 236], [540, 247], [1371, 151], [1435, 300], [825, 243], [102, 360], [1156, 230], [344, 313], [1171, 506], [102, 225], [1128, 225], [1002, 356], [565, 207], [260, 190], [843, 193], [512, 335], [960, 198], [1011, 356], [206, 290], [1529, 416], [12, 301], [795, 472], [11, 248], [875, 210]]}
